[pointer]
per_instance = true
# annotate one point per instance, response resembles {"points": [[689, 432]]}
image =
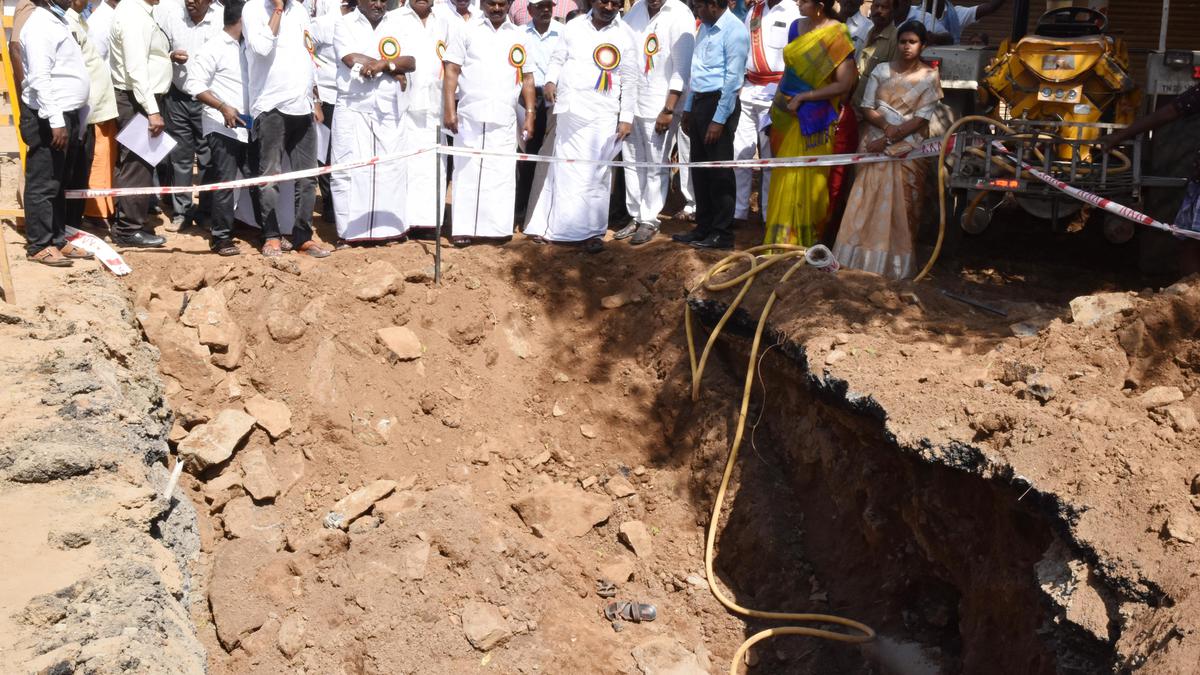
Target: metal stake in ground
{"points": [[10, 291], [440, 199]]}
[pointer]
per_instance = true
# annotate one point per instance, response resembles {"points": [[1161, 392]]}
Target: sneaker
{"points": [[627, 231], [644, 234]]}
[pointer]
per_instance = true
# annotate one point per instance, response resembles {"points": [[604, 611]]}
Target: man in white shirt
{"points": [[768, 22], [139, 56], [187, 26], [457, 13], [944, 21], [99, 23], [542, 34], [217, 78], [372, 101], [325, 71], [592, 83], [665, 30], [277, 35], [429, 36], [486, 68], [54, 92]]}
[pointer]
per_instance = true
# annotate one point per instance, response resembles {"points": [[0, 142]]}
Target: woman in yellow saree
{"points": [[818, 73]]}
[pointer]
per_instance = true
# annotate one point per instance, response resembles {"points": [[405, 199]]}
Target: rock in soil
{"points": [[357, 503], [273, 416], [563, 510], [664, 656], [215, 442], [484, 625], [633, 533], [402, 344]]}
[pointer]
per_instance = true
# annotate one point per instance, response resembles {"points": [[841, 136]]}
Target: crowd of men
{"points": [[259, 87]]}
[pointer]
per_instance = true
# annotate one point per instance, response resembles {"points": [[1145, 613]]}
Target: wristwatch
{"points": [[667, 111]]}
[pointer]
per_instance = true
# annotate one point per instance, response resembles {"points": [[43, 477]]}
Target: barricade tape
{"points": [[927, 149], [1096, 200]]}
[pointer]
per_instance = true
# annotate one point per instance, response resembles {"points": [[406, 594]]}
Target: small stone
{"points": [[273, 416], [187, 277], [615, 301], [696, 580], [618, 570], [633, 533], [484, 625], [834, 356], [663, 655], [539, 459], [401, 342], [1096, 410], [259, 480], [639, 470], [559, 410], [588, 430], [376, 281], [588, 482], [1182, 418], [1044, 386], [1158, 397], [561, 377], [841, 338], [1089, 310], [358, 502], [618, 486], [214, 442], [291, 636], [1178, 528], [285, 327]]}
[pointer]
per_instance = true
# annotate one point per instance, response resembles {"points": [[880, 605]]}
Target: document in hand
{"points": [[136, 136]]}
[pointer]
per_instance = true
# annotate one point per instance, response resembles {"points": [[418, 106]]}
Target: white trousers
{"points": [[573, 204], [746, 142], [420, 203], [484, 193], [646, 188], [684, 145], [367, 204]]}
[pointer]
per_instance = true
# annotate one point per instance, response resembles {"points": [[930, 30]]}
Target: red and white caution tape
{"points": [[97, 247], [1098, 201], [927, 149]]}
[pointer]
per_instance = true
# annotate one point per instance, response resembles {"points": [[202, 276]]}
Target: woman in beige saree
{"points": [[878, 230]]}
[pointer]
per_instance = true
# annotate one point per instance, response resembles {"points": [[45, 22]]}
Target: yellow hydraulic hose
{"points": [[941, 173], [773, 254]]}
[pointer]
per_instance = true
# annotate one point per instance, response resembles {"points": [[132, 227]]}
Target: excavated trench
{"points": [[833, 514], [830, 513]]}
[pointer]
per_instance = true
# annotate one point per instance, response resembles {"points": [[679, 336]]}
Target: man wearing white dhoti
{"points": [[370, 45], [430, 35], [665, 30], [485, 66], [592, 83]]}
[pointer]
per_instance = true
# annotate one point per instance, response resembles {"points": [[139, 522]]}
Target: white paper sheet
{"points": [[136, 136], [612, 148]]}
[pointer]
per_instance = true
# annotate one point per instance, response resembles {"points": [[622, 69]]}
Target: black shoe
{"points": [[688, 237], [139, 239], [627, 231], [644, 234], [715, 241]]}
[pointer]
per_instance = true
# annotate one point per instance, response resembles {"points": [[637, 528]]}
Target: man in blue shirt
{"points": [[710, 118]]}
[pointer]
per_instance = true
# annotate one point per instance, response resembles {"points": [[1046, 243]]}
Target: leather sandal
{"points": [[272, 249], [73, 252], [51, 257], [314, 249]]}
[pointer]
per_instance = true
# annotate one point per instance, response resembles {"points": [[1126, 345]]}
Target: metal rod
{"points": [[440, 199], [10, 292], [1162, 31], [975, 303]]}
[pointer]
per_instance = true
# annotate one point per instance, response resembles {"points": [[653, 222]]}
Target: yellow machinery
{"points": [[1069, 71]]}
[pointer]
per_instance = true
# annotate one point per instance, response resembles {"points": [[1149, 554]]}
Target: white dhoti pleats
{"points": [[420, 202], [573, 204], [484, 194], [368, 201], [646, 188]]}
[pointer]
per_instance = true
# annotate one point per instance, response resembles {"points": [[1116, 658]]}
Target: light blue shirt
{"points": [[719, 63]]}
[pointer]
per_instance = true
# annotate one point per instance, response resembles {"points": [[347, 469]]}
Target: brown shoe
{"points": [[314, 249], [51, 257], [73, 252], [272, 249]]}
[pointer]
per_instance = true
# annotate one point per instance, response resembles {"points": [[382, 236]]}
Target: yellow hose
{"points": [[780, 253]]}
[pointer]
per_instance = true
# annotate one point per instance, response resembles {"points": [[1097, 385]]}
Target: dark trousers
{"points": [[532, 147], [48, 172], [227, 157], [183, 116], [132, 172], [716, 189], [295, 135], [323, 179]]}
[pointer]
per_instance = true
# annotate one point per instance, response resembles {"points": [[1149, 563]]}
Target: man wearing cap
{"points": [[666, 32], [592, 83], [486, 67]]}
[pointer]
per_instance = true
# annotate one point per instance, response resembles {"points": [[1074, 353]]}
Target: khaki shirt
{"points": [[20, 15], [881, 49], [139, 54]]}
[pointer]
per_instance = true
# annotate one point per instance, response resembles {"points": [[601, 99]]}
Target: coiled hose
{"points": [[773, 254]]}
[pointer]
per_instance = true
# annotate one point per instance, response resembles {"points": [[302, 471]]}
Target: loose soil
{"points": [[989, 502]]}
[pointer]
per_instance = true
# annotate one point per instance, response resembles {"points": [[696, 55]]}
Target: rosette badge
{"points": [[607, 58], [389, 48], [516, 59], [651, 50], [311, 45]]}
